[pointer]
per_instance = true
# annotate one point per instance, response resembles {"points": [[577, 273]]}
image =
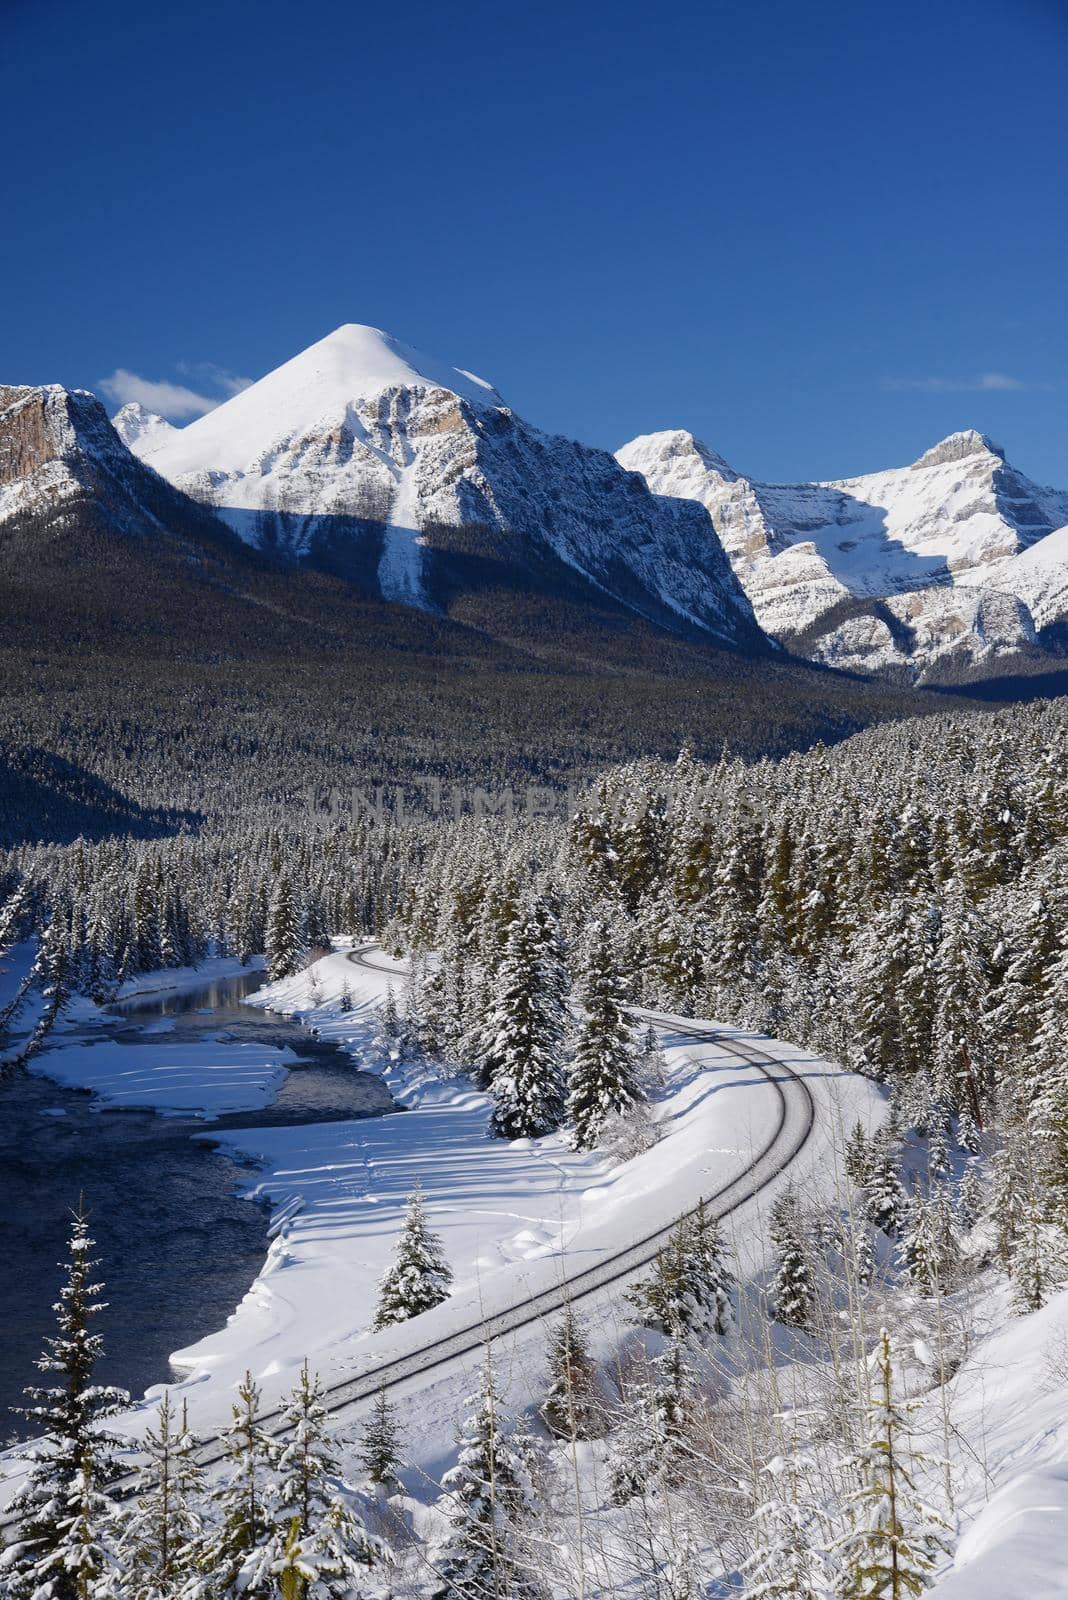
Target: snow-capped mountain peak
{"points": [[141, 430], [316, 390], [366, 456], [958, 447]]}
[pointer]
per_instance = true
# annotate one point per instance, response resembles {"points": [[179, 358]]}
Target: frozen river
{"points": [[178, 1247]]}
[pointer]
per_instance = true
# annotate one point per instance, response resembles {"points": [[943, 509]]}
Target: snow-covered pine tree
{"points": [[573, 1407], [885, 1200], [971, 1198], [231, 1557], [962, 988], [380, 1444], [793, 1288], [652, 1067], [157, 1538], [314, 1539], [894, 1540], [1009, 1189], [661, 1300], [881, 960], [526, 1025], [603, 1079], [791, 1533], [419, 1276], [486, 1496], [284, 947], [63, 1507], [644, 1444], [689, 1289], [859, 1158], [52, 975], [713, 1281], [919, 1251]]}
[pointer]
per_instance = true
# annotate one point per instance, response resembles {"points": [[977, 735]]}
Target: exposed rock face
{"points": [[57, 446], [418, 480], [922, 572]]}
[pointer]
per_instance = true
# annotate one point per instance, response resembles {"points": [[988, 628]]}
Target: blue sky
{"points": [[819, 235]]}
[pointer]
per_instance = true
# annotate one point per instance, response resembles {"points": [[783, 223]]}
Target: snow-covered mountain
{"points": [[923, 570], [414, 478], [58, 451], [138, 427]]}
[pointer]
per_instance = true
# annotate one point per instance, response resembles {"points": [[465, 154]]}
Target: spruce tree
{"points": [[791, 1533], [793, 1288], [971, 1198], [157, 1539], [284, 947], [419, 1276], [652, 1067], [232, 1558], [63, 1508], [526, 1026], [689, 1289], [314, 1540], [894, 1541], [919, 1250], [572, 1408], [885, 1201], [486, 1495], [645, 1442], [603, 1075], [380, 1444]]}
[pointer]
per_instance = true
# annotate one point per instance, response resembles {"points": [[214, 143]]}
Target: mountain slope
{"points": [[911, 571], [362, 457]]}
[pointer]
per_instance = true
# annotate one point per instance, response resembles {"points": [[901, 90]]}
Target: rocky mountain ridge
{"points": [[924, 572]]}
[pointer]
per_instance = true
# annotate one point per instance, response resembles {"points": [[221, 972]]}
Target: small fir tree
{"points": [[284, 947], [526, 1025], [419, 1276], [380, 1444], [158, 1538], [793, 1288], [573, 1408], [315, 1542], [232, 1558], [63, 1508], [894, 1541], [486, 1495], [791, 1534]]}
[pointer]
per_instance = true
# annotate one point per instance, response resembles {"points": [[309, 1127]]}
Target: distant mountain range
{"points": [[956, 566]]}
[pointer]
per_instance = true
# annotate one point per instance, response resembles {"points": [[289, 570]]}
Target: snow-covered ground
{"points": [[516, 1218], [400, 570]]}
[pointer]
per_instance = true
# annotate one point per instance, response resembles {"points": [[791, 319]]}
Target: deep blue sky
{"points": [[820, 235]]}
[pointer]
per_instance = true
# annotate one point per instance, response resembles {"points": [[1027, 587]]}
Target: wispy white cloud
{"points": [[170, 399], [175, 400], [984, 383], [229, 382]]}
